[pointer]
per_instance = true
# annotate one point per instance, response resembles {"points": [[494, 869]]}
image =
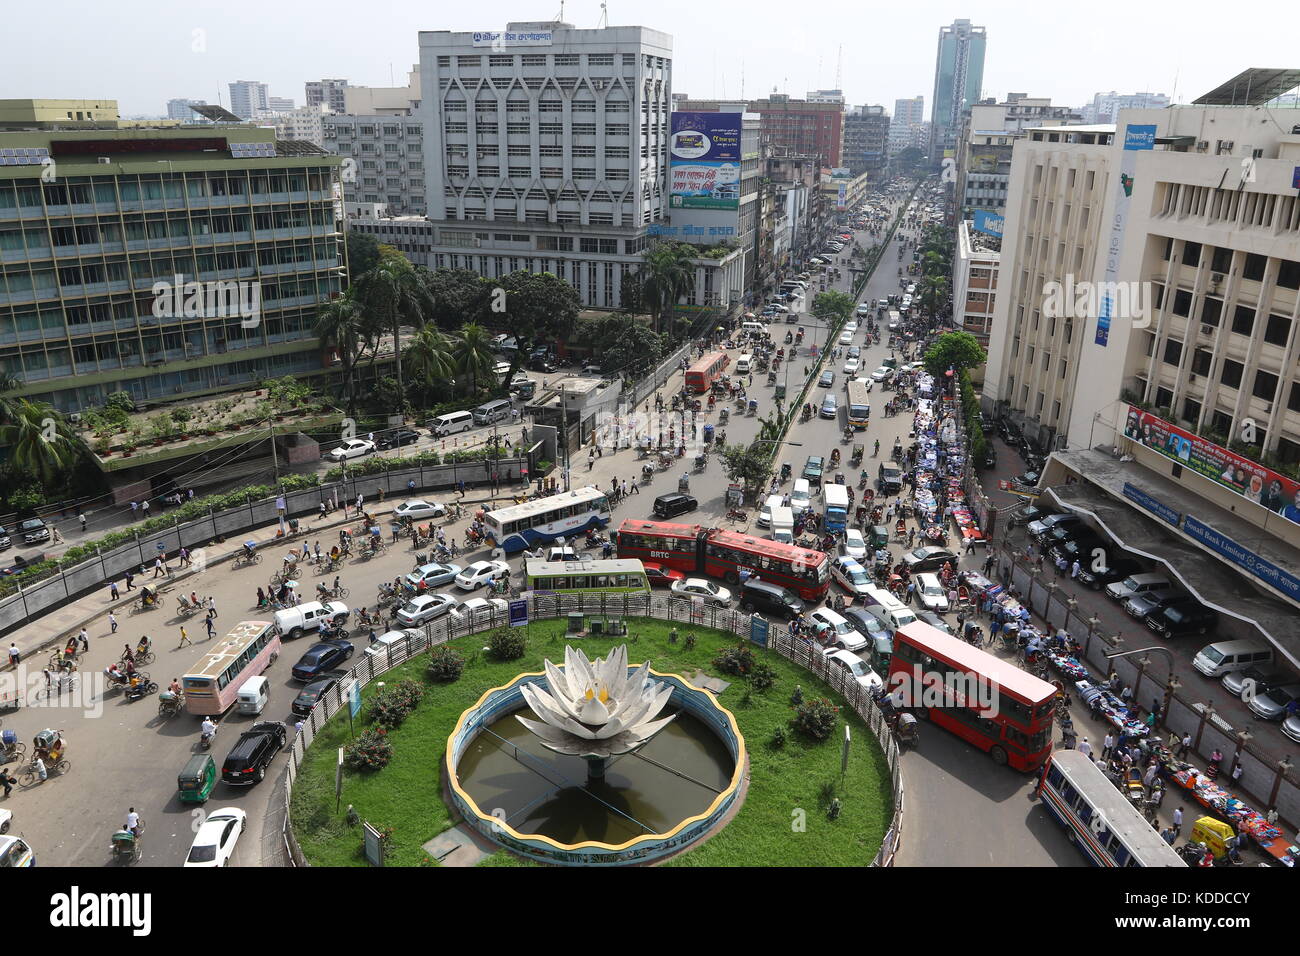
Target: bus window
{"points": [[1084, 811], [560, 584], [583, 583], [1054, 776]]}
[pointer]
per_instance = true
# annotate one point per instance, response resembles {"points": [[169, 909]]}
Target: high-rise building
{"points": [[179, 109], [247, 97], [958, 76], [866, 139], [1149, 318], [1105, 107], [90, 305], [327, 92], [798, 127], [910, 110], [546, 149]]}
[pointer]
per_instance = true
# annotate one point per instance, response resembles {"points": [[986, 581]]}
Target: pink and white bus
{"points": [[245, 652]]}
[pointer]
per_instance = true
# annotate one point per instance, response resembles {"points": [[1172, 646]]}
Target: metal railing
{"points": [[794, 649]]}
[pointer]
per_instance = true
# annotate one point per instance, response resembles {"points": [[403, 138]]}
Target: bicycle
{"points": [[29, 777], [65, 682], [339, 592]]}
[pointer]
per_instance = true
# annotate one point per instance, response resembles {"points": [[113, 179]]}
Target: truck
{"points": [[895, 320], [783, 524], [836, 498]]}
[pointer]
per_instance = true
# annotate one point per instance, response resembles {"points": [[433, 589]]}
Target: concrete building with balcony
{"points": [[797, 127], [247, 97], [989, 130], [329, 93], [305, 124], [85, 242], [866, 140], [975, 281]]}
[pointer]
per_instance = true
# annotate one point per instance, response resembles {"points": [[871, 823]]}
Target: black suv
{"points": [[768, 598], [667, 506], [1183, 616], [1120, 569], [247, 761]]}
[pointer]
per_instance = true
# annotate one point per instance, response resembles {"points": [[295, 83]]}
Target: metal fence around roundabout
{"points": [[611, 606]]}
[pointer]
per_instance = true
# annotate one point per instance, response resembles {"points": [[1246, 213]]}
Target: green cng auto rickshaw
{"points": [[196, 781]]}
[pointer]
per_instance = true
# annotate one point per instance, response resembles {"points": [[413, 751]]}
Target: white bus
{"points": [[1098, 819], [859, 404], [540, 522]]}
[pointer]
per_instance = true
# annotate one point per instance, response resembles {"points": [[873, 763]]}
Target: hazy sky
{"points": [[144, 52]]}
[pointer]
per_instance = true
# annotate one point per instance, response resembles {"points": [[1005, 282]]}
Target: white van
{"points": [[783, 525], [293, 622], [765, 513], [381, 644], [253, 695], [801, 497], [490, 412], [744, 364], [887, 609], [1215, 660], [757, 328], [451, 423]]}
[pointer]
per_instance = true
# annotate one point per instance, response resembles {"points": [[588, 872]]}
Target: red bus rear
{"points": [[672, 545], [806, 573], [986, 701], [700, 376]]}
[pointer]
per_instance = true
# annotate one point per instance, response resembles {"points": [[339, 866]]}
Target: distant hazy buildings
{"points": [[247, 97], [179, 109], [1105, 107], [866, 138], [989, 130], [327, 92]]}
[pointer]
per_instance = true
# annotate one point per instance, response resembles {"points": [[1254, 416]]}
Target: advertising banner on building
{"points": [[1244, 558], [704, 164], [989, 223], [1252, 481], [1136, 139]]}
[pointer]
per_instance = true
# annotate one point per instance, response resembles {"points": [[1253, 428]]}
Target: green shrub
{"points": [[778, 737], [737, 659], [371, 751], [445, 665], [392, 705], [762, 677], [507, 643], [816, 718]]}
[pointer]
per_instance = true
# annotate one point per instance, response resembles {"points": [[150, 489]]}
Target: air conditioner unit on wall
{"points": [[1207, 330]]}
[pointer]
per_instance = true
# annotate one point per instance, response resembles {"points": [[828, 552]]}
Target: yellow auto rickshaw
{"points": [[1215, 834]]}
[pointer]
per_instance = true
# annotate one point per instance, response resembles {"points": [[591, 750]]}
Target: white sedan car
{"points": [[864, 308], [698, 587], [846, 338], [855, 546], [353, 448], [214, 844], [480, 573], [868, 382], [480, 610], [836, 631], [850, 367], [882, 373], [418, 509], [850, 326], [863, 674], [425, 607]]}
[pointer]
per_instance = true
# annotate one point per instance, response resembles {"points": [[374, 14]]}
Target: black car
{"points": [[320, 658], [666, 506], [540, 364], [889, 479], [812, 469], [247, 761], [1062, 536], [1183, 616], [1142, 606], [399, 437], [309, 695], [766, 598], [1042, 530], [928, 559], [1118, 570]]}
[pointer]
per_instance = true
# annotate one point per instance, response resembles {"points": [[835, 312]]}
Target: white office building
{"points": [[179, 109], [247, 97], [1105, 107], [329, 93]]}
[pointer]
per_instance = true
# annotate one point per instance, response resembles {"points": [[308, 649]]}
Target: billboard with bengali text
{"points": [[704, 164], [1263, 486]]}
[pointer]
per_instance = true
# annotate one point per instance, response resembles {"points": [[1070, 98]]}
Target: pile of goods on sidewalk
{"points": [[1207, 792]]}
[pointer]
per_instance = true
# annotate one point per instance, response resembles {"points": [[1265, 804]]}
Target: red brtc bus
{"points": [[694, 549], [984, 700], [702, 375]]}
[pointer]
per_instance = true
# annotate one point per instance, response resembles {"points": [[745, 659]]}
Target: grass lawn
{"points": [[782, 821]]}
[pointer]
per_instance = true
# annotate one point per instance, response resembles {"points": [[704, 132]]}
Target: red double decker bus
{"points": [[984, 700], [701, 375], [694, 549]]}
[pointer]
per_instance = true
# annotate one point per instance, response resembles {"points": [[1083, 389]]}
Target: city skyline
{"points": [[197, 53]]}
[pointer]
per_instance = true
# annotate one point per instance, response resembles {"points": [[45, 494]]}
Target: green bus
{"points": [[618, 576]]}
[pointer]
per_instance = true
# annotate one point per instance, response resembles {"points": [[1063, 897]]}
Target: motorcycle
{"points": [[205, 740], [701, 462], [735, 514]]}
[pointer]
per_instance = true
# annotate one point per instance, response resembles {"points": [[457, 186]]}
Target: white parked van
{"points": [[1224, 657], [253, 696], [451, 423], [801, 497], [490, 412], [783, 525], [758, 328], [744, 364], [887, 609], [765, 513]]}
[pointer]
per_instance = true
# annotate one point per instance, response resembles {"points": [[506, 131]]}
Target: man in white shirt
{"points": [[133, 821], [1084, 748]]}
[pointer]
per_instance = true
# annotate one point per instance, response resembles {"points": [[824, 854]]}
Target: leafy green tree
{"points": [[338, 321], [539, 307], [748, 465], [933, 293], [429, 357], [959, 350], [363, 252], [393, 295], [668, 275], [832, 307], [39, 439], [624, 344], [458, 296], [472, 349]]}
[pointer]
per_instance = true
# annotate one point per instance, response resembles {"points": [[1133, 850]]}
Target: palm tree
{"points": [[339, 321], [429, 357], [934, 293], [38, 437], [668, 275], [473, 353], [393, 295]]}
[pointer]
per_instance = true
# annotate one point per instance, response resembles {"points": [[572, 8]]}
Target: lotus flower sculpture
{"points": [[596, 709]]}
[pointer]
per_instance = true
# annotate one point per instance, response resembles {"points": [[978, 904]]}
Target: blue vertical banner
{"points": [[518, 613], [758, 628], [1137, 138]]}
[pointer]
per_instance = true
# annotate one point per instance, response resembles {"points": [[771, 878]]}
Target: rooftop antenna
{"points": [[839, 68], [742, 78], [604, 17]]}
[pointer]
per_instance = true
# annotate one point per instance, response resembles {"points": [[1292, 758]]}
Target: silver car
{"points": [[1277, 702]]}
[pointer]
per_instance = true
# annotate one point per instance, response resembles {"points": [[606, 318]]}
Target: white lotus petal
{"points": [[593, 712]]}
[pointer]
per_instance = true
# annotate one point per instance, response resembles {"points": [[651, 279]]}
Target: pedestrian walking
{"points": [[1084, 747], [144, 508], [41, 772], [185, 557], [7, 781], [185, 639], [1178, 822], [14, 655], [83, 639], [112, 622], [1237, 770], [635, 490], [1107, 745], [135, 509], [82, 518], [211, 605], [212, 631], [361, 500], [113, 593]]}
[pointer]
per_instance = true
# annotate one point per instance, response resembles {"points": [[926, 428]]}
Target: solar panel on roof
{"points": [[23, 155], [1251, 87]]}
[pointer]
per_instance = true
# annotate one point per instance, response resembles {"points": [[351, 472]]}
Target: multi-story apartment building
{"points": [[975, 281], [305, 124], [958, 77], [826, 96], [329, 93], [92, 243], [866, 138], [1105, 107], [1163, 367], [546, 149], [798, 126], [280, 104], [383, 160], [247, 97], [989, 130], [179, 109]]}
